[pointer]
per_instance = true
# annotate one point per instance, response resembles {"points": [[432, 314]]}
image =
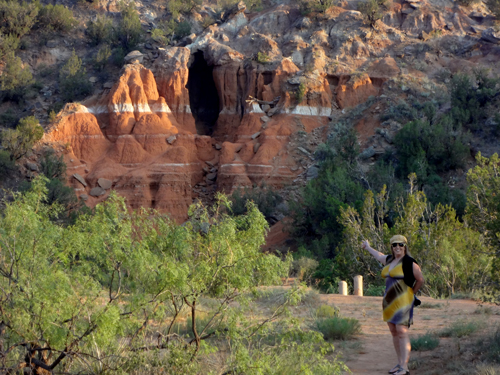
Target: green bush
{"points": [[461, 329], [338, 328], [371, 10], [100, 30], [129, 31], [17, 18], [262, 58], [19, 141], [471, 96], [102, 57], [7, 165], [178, 7], [374, 290], [9, 119], [16, 77], [303, 268], [310, 6], [72, 81], [327, 311], [425, 342], [264, 197], [56, 18], [467, 3], [494, 7], [8, 44], [300, 92], [182, 29]]}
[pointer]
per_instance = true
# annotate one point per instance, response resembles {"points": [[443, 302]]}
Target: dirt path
{"points": [[373, 353]]}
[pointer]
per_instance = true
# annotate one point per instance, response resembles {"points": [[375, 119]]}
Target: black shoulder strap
{"points": [[388, 258]]}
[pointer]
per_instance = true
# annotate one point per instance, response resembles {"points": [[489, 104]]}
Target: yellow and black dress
{"points": [[398, 297]]}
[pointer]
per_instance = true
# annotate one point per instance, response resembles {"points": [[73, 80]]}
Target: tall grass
{"points": [[461, 329], [429, 341]]}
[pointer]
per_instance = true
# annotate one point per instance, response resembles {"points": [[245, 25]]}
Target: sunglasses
{"points": [[398, 244]]}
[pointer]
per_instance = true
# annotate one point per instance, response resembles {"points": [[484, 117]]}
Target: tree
{"points": [[445, 248], [16, 77], [72, 79], [129, 29], [483, 204], [371, 10], [72, 295], [19, 141], [17, 18]]}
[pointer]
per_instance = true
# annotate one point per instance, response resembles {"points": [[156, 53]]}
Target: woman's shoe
{"points": [[395, 369], [401, 371]]}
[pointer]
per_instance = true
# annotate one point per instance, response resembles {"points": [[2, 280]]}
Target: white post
{"points": [[343, 288], [358, 285]]}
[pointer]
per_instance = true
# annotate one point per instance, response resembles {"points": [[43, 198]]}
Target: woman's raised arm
{"points": [[376, 254]]}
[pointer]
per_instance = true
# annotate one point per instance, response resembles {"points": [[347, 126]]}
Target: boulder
{"points": [[97, 191], [32, 166], [491, 36], [105, 183], [80, 179], [133, 56]]}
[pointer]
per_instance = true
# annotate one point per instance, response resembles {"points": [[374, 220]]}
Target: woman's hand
{"points": [[365, 245]]}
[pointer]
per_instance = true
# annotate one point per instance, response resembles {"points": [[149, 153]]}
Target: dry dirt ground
{"points": [[372, 352]]}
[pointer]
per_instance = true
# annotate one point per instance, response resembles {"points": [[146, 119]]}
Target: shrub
{"points": [[425, 342], [263, 58], [102, 57], [19, 141], [300, 92], [100, 30], [16, 77], [471, 95], [7, 165], [178, 7], [129, 28], [327, 311], [371, 10], [72, 80], [17, 18], [8, 118], [8, 44], [338, 328], [461, 329], [56, 18], [264, 197], [309, 6], [182, 29], [494, 7], [374, 290], [303, 268]]}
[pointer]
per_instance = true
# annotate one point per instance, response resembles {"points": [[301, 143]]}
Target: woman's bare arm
{"points": [[417, 273], [376, 254]]}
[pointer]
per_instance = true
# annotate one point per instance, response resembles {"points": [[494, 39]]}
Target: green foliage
{"points": [[471, 96], [72, 80], [178, 7], [483, 205], [303, 268], [262, 58], [100, 282], [19, 141], [264, 197], [461, 329], [300, 92], [9, 119], [8, 44], [56, 18], [129, 31], [338, 328], [489, 346], [402, 112], [371, 10], [327, 311], [494, 7], [16, 77], [102, 57], [17, 18], [374, 290], [319, 6], [467, 3], [425, 342], [100, 30], [425, 147], [442, 245], [182, 29], [7, 165]]}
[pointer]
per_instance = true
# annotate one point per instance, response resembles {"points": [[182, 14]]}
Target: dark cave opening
{"points": [[203, 96]]}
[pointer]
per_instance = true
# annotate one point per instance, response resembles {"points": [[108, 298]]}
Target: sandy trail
{"points": [[375, 353]]}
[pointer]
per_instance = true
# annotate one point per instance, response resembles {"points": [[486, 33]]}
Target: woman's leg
{"points": [[395, 341], [404, 345]]}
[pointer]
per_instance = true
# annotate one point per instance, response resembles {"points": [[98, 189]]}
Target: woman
{"points": [[403, 279]]}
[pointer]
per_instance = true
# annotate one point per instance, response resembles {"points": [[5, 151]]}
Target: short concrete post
{"points": [[343, 288], [358, 285]]}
